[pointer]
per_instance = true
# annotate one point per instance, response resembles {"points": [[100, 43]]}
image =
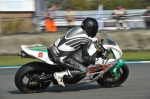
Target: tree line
{"points": [[93, 4]]}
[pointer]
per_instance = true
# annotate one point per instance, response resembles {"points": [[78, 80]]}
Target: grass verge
{"points": [[14, 60], [136, 56], [127, 56]]}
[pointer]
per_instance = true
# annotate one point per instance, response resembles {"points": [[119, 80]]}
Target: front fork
{"points": [[114, 68]]}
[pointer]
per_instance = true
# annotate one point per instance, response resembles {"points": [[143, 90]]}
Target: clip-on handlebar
{"points": [[100, 48]]}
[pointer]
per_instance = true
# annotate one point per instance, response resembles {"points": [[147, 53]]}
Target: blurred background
{"points": [[43, 21], [18, 16]]}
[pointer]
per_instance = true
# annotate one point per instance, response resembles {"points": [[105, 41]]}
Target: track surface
{"points": [[137, 86]]}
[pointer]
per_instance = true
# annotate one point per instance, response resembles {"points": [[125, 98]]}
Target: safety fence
{"points": [[37, 24]]}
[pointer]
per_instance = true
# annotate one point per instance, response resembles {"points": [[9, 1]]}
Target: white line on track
{"points": [[127, 62]]}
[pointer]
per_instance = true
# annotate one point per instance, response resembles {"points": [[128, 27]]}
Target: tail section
{"points": [[38, 51]]}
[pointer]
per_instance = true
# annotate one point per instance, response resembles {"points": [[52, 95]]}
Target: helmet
{"points": [[90, 25]]}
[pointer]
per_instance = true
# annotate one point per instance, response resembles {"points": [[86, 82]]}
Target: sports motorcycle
{"points": [[38, 75]]}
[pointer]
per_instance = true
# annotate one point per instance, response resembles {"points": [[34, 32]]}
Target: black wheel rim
{"points": [[29, 82], [110, 79]]}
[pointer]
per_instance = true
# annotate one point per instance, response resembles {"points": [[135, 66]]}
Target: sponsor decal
{"points": [[97, 68], [37, 47], [117, 49]]}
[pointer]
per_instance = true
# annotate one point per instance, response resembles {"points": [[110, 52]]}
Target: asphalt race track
{"points": [[137, 86]]}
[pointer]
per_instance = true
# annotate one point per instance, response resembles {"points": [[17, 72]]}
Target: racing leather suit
{"points": [[63, 49]]}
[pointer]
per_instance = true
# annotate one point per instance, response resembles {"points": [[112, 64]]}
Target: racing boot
{"points": [[59, 76]]}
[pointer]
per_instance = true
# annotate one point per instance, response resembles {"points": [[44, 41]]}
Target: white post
{"points": [[99, 17]]}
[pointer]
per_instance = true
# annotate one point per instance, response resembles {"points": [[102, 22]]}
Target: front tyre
{"points": [[25, 78], [108, 80]]}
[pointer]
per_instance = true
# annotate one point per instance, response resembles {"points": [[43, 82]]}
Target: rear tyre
{"points": [[25, 78], [108, 80]]}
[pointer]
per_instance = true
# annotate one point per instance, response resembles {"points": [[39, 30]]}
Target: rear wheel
{"points": [[108, 80], [25, 78]]}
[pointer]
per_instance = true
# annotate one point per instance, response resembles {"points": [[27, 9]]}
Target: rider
{"points": [[75, 39]]}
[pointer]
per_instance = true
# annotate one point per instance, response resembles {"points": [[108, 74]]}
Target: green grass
{"points": [[136, 56], [14, 60], [127, 56]]}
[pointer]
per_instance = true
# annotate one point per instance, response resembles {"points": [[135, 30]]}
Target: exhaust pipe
{"points": [[23, 54]]}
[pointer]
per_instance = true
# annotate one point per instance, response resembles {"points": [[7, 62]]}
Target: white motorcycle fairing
{"points": [[38, 51]]}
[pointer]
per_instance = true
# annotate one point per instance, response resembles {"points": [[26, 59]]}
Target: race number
{"points": [[40, 54]]}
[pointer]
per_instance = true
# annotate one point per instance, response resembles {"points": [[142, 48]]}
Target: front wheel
{"points": [[108, 80], [25, 78]]}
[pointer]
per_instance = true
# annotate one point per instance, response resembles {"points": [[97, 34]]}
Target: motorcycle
{"points": [[37, 76]]}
